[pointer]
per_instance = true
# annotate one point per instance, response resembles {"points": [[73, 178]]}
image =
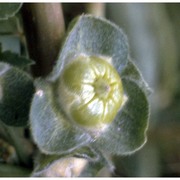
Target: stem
{"points": [[44, 29], [97, 9]]}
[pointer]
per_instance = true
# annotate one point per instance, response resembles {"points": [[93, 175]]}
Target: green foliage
{"points": [[132, 72], [93, 36], [8, 10], [15, 59], [127, 133], [9, 26], [53, 129], [16, 85], [16, 90], [88, 153], [50, 129], [55, 133]]}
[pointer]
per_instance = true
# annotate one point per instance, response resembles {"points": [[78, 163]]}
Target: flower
{"points": [[84, 102]]}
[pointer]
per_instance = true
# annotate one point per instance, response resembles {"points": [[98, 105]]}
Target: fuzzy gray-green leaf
{"points": [[92, 169], [128, 131], [16, 90], [51, 131], [87, 153], [91, 35], [132, 72], [15, 59]]}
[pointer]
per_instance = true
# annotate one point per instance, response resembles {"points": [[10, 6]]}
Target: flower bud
{"points": [[90, 91]]}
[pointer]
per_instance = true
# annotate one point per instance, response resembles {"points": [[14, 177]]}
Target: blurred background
{"points": [[153, 31], [154, 38]]}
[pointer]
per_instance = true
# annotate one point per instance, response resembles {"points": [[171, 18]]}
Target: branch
{"points": [[97, 9], [44, 29]]}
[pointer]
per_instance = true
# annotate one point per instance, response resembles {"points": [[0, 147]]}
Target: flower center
{"points": [[102, 88]]}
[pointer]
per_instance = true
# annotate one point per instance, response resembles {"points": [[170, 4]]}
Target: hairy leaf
{"points": [[51, 130], [16, 90], [132, 72], [90, 35], [15, 59], [87, 153], [128, 132]]}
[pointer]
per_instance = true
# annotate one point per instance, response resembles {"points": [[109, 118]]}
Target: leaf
{"points": [[15, 59], [92, 169], [52, 132], [9, 26], [87, 153], [132, 72], [8, 10], [55, 134], [69, 165], [16, 90], [128, 131], [90, 35]]}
